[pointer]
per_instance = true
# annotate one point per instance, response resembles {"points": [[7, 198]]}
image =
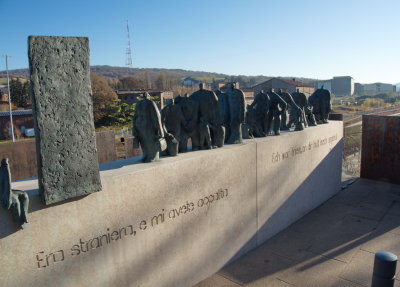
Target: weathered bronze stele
{"points": [[63, 116]]}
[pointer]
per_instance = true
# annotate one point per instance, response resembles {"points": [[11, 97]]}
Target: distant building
{"points": [[4, 106], [132, 96], [342, 86], [377, 88], [248, 95], [22, 120], [287, 85], [225, 85], [326, 84], [358, 89], [189, 82]]}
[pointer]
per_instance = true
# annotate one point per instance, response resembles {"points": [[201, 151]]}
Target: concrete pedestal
{"points": [[176, 221]]}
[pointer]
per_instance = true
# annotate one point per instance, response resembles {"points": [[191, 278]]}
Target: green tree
{"points": [[119, 114], [20, 93]]}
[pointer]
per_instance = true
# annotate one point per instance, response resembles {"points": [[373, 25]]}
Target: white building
{"points": [[377, 88]]}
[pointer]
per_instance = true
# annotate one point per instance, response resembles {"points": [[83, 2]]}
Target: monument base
{"points": [[176, 221]]}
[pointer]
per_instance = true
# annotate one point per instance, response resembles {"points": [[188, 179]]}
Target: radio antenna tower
{"points": [[128, 60]]}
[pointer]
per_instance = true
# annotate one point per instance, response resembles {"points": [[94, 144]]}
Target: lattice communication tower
{"points": [[128, 60]]}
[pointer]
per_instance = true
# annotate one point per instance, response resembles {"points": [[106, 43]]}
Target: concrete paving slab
{"points": [[348, 197], [343, 283], [293, 251], [390, 223], [319, 218], [381, 197], [257, 264], [333, 246], [217, 280], [316, 271], [270, 283], [360, 268], [395, 209], [379, 242], [340, 240]]}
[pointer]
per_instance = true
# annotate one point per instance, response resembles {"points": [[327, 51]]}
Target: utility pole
{"points": [[128, 61], [9, 99]]}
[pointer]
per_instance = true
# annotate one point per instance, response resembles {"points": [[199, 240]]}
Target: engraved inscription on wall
{"points": [[279, 156], [113, 236]]}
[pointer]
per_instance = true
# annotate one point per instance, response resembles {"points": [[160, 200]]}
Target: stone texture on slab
{"points": [[63, 114]]}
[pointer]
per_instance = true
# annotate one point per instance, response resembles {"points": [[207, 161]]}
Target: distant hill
{"points": [[19, 73], [120, 72], [152, 73]]}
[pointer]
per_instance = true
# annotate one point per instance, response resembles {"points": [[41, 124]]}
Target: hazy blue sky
{"points": [[309, 38]]}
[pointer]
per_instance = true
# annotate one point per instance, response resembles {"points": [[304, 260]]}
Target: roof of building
{"points": [[340, 77], [290, 82], [16, 113], [295, 83], [139, 91], [190, 78]]}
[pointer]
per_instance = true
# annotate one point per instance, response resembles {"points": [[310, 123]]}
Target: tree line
{"points": [[108, 110]]}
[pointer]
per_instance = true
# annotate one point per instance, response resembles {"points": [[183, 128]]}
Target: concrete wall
{"points": [[129, 150], [176, 221], [380, 152], [22, 156], [105, 142]]}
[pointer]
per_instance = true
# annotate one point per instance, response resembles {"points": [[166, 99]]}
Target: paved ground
{"points": [[333, 246]]}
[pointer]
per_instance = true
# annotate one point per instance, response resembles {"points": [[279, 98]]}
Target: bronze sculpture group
{"points": [[211, 119], [208, 119]]}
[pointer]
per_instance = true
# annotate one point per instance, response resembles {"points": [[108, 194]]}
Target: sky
{"points": [[300, 38]]}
